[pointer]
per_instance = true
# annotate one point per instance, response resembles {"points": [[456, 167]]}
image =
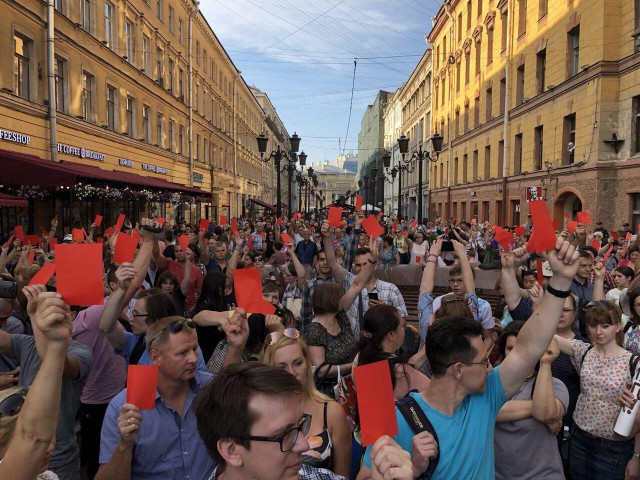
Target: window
{"points": [[465, 168], [197, 52], [180, 31], [131, 116], [111, 108], [159, 65], [196, 96], [456, 125], [503, 34], [159, 130], [441, 175], [172, 139], [196, 153], [573, 57], [438, 56], [479, 7], [146, 131], [87, 96], [443, 91], [455, 171], [537, 147], [205, 61], [130, 39], [489, 105], [22, 47], [503, 95], [500, 158], [517, 154], [458, 73], [181, 139], [635, 148], [520, 85], [146, 54], [172, 65], [444, 50], [569, 139], [522, 17], [476, 113], [467, 67], [543, 8], [466, 118], [85, 7], [181, 83], [171, 19], [57, 4], [460, 26], [109, 12], [489, 46], [204, 150], [475, 166], [468, 14], [541, 70], [159, 9], [478, 54], [487, 162], [61, 85]]}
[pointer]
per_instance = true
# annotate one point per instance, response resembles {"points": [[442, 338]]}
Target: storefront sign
{"points": [[123, 162], [198, 177], [81, 152], [153, 168], [14, 137]]}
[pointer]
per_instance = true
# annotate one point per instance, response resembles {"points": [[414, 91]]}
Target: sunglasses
{"points": [[291, 333], [258, 259], [266, 281], [600, 303], [174, 327], [13, 403]]}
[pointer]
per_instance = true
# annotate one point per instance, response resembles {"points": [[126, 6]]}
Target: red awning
{"points": [[23, 169], [11, 201], [263, 204]]}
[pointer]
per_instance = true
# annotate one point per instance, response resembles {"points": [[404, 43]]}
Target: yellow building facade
{"points": [[143, 86], [538, 94]]}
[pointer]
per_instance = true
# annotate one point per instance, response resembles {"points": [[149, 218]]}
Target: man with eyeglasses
{"points": [[251, 420], [465, 394], [163, 442]]}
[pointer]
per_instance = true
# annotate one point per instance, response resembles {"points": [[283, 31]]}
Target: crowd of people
{"points": [[527, 387]]}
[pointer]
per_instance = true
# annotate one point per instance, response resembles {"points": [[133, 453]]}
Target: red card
{"points": [[18, 231], [79, 273], [142, 386], [100, 240], [520, 230], [44, 231], [504, 238], [125, 248], [335, 216], [555, 223], [279, 221], [358, 205], [160, 220], [566, 215], [414, 223], [286, 239], [545, 233], [372, 227], [234, 226], [250, 242], [376, 404], [539, 271], [78, 235], [628, 236], [405, 233], [98, 220], [248, 288], [204, 224], [109, 231], [606, 255], [119, 222], [8, 242], [584, 217], [596, 244], [136, 235], [418, 259], [614, 234], [34, 240], [223, 220], [263, 235], [183, 240], [43, 275], [52, 244], [571, 226], [32, 255]]}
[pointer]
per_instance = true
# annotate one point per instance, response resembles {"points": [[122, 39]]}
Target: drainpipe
{"points": [[505, 126], [51, 76], [192, 15], [449, 139], [235, 145]]}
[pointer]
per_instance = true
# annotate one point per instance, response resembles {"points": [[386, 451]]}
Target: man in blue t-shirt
{"points": [[466, 393]]}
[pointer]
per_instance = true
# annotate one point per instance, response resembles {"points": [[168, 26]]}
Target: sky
{"points": [[302, 52]]}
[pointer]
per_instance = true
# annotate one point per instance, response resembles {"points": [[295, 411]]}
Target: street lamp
{"points": [[277, 156], [374, 179], [419, 156], [366, 193]]}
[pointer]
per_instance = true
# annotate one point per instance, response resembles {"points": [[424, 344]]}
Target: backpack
{"points": [[418, 421]]}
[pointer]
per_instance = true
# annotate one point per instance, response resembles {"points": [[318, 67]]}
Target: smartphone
{"points": [[447, 246], [373, 295]]}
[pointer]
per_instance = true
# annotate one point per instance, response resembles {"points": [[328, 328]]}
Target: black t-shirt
{"points": [[208, 337]]}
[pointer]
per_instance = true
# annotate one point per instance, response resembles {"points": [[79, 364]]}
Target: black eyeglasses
{"points": [[289, 438], [174, 327], [13, 403], [258, 259], [484, 362]]}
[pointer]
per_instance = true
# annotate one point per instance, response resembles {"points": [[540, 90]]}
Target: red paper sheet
{"points": [[571, 226], [520, 230], [79, 273], [504, 238], [248, 288], [584, 217], [628, 236], [142, 385], [250, 242], [204, 224], [596, 244], [223, 220], [279, 221], [98, 220], [18, 231], [100, 240], [43, 275], [545, 233], [160, 220], [34, 240], [418, 259], [405, 233], [606, 255], [614, 235], [78, 235], [183, 240], [263, 235], [286, 239], [376, 404], [414, 223], [8, 242], [556, 224], [32, 256], [335, 216], [118, 226], [566, 215], [125, 248], [358, 205], [372, 227], [109, 231], [234, 226], [539, 271]]}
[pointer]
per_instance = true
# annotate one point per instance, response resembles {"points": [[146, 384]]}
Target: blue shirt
{"points": [[167, 447], [465, 439], [130, 341]]}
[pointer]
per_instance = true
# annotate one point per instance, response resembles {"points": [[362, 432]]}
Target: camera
{"points": [[8, 289], [279, 311]]}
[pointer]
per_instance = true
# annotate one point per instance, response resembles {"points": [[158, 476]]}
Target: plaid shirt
{"points": [[307, 472], [306, 313], [350, 251], [608, 280]]}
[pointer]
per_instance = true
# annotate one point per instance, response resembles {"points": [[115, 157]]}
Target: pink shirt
{"points": [[108, 374], [195, 283]]}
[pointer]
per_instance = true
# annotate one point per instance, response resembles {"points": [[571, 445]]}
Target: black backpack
{"points": [[418, 421]]}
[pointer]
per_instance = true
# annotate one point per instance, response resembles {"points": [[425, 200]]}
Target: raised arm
{"points": [[184, 285], [546, 407], [204, 251], [429, 275], [510, 287], [337, 270], [300, 271], [535, 336], [598, 285], [109, 320], [465, 266], [3, 257], [361, 279], [350, 251], [161, 260]]}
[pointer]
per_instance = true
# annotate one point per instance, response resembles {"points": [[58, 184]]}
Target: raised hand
{"points": [[125, 273], [325, 230], [374, 250], [273, 323], [129, 422], [237, 329], [563, 260], [32, 292], [553, 350], [536, 293], [436, 247], [53, 317], [458, 249]]}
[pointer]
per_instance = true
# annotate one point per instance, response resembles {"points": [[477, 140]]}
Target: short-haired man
{"points": [[252, 422], [580, 286], [214, 256], [163, 442], [307, 250], [466, 393], [324, 275]]}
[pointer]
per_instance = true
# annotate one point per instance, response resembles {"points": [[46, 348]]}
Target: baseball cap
{"points": [[68, 238]]}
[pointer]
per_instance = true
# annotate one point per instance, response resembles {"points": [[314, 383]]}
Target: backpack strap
{"points": [[584, 355], [418, 421], [633, 363]]}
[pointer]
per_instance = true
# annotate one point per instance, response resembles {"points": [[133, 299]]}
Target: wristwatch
{"points": [[636, 454]]}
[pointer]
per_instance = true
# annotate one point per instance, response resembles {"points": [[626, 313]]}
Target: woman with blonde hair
{"points": [[329, 436]]}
